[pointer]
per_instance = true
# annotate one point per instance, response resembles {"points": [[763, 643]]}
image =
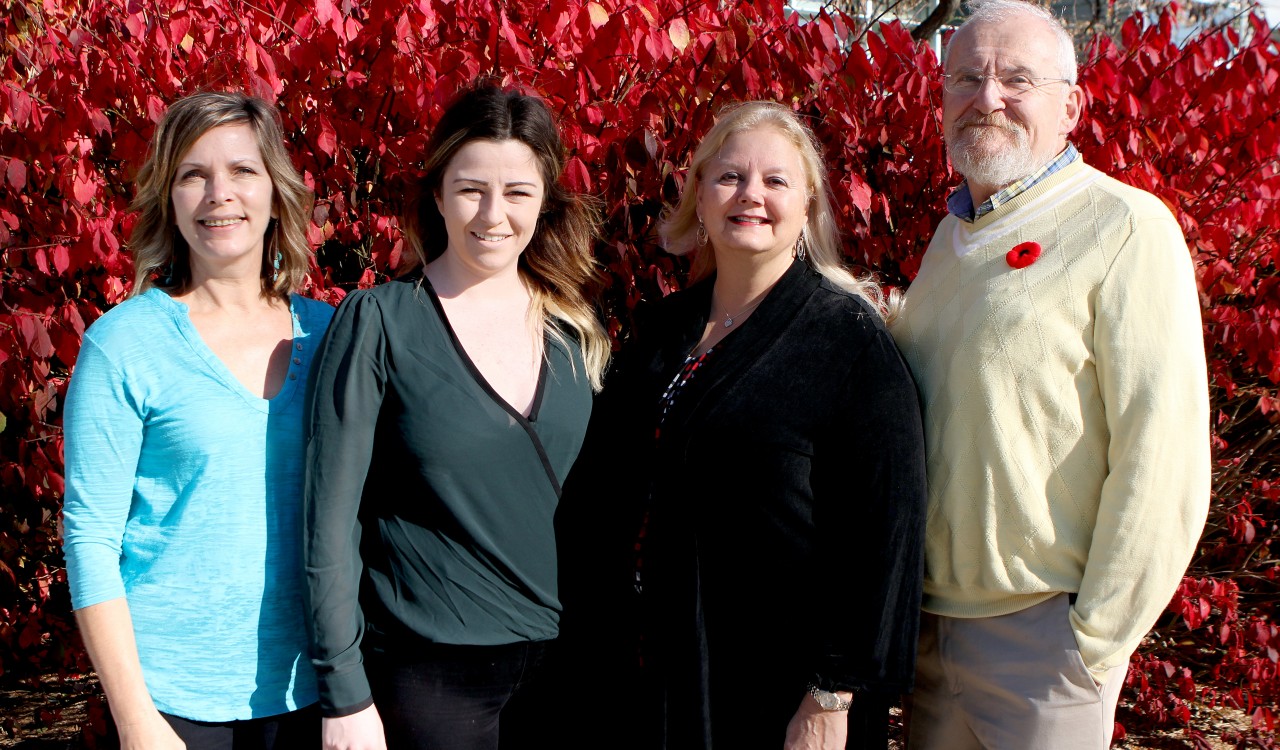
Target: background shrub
{"points": [[635, 83]]}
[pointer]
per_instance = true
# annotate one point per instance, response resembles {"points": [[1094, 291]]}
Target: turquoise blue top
{"points": [[183, 495]]}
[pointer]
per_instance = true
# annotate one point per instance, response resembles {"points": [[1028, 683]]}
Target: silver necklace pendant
{"points": [[728, 321]]}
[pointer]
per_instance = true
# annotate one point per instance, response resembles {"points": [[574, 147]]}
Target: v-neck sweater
{"points": [[183, 495], [1066, 409], [430, 500]]}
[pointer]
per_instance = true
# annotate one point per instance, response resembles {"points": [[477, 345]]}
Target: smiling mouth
{"points": [[489, 237], [750, 221], [213, 223]]}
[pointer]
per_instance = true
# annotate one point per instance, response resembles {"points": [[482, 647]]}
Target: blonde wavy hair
{"points": [[679, 227], [557, 267]]}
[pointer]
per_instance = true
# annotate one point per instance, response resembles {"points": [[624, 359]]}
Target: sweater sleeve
{"points": [[1149, 350], [103, 430], [343, 402], [872, 530]]}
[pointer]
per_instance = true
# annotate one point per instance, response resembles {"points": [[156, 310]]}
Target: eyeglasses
{"points": [[969, 82]]}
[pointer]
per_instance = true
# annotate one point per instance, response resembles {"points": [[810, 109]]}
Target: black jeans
{"points": [[434, 696]]}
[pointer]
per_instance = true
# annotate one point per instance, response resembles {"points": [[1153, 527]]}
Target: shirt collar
{"points": [[960, 202]]}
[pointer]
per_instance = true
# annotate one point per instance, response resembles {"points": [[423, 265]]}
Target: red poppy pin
{"points": [[1023, 254]]}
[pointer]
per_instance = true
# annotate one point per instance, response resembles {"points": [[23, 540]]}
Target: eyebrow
{"points": [[234, 162], [769, 170], [1012, 70], [478, 181]]}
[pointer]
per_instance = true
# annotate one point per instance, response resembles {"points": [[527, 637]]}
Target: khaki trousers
{"points": [[1014, 682]]}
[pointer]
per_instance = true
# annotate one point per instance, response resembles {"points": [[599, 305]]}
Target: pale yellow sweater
{"points": [[1066, 409]]}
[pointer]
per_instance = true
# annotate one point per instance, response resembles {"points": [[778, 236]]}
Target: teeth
{"points": [[220, 222], [490, 237], [749, 220]]}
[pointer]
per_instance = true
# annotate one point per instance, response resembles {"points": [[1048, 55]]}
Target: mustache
{"points": [[994, 119]]}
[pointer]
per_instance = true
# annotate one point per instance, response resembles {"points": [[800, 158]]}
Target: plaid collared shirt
{"points": [[960, 202]]}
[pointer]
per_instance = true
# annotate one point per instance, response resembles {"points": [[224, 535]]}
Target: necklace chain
{"points": [[728, 319]]}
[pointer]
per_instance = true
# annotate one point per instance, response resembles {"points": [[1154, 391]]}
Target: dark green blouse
{"points": [[429, 500]]}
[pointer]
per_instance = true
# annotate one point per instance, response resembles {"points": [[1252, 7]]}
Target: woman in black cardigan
{"points": [[774, 520]]}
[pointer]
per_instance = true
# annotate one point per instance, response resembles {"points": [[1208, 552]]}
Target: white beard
{"points": [[991, 157]]}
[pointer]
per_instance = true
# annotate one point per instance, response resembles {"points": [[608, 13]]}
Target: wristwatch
{"points": [[828, 700]]}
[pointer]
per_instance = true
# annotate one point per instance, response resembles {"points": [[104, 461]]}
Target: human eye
{"points": [[1017, 82], [729, 178], [967, 80], [187, 175], [777, 181]]}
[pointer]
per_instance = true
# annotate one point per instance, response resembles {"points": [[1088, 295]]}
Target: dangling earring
{"points": [[802, 243], [275, 245], [702, 233], [166, 274]]}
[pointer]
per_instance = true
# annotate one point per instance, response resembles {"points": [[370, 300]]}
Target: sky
{"points": [[1272, 8]]}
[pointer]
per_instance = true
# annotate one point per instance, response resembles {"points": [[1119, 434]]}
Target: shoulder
{"points": [[137, 322], [671, 315], [314, 314], [679, 304], [1136, 203], [846, 312], [398, 310], [1147, 237], [384, 297]]}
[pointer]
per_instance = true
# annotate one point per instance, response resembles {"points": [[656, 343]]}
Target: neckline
{"points": [[474, 371], [181, 314]]}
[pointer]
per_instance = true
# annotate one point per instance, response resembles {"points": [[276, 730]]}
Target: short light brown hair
{"points": [[160, 253]]}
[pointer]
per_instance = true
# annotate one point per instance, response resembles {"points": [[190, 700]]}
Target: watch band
{"points": [[828, 700]]}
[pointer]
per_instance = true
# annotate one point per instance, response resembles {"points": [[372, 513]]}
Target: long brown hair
{"points": [[557, 266]]}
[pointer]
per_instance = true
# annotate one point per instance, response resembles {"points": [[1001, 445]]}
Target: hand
{"points": [[813, 728], [149, 733], [361, 730]]}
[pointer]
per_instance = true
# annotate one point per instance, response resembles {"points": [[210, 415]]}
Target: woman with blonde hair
{"points": [[777, 488], [184, 445], [448, 407]]}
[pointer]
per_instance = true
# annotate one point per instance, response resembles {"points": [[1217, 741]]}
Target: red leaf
{"points": [[61, 259], [35, 335], [327, 139], [576, 175], [16, 174], [860, 193]]}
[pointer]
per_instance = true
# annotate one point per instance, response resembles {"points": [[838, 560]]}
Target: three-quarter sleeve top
{"points": [[184, 497], [429, 499]]}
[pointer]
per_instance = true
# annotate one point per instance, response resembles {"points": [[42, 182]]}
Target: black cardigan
{"points": [[786, 505]]}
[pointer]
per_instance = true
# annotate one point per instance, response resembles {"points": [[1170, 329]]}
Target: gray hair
{"points": [[991, 11]]}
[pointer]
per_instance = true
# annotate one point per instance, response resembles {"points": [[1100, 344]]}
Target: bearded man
{"points": [[1054, 331]]}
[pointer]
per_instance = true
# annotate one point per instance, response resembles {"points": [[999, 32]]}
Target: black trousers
{"points": [[295, 729], [435, 696]]}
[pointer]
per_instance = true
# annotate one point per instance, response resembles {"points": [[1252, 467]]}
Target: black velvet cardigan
{"points": [[785, 504]]}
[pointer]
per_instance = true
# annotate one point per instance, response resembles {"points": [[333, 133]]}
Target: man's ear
{"points": [[1072, 109]]}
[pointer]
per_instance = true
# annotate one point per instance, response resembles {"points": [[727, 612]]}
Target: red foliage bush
{"points": [[636, 84]]}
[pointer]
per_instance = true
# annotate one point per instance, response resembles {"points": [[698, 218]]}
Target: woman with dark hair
{"points": [[447, 408], [770, 510], [184, 448]]}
